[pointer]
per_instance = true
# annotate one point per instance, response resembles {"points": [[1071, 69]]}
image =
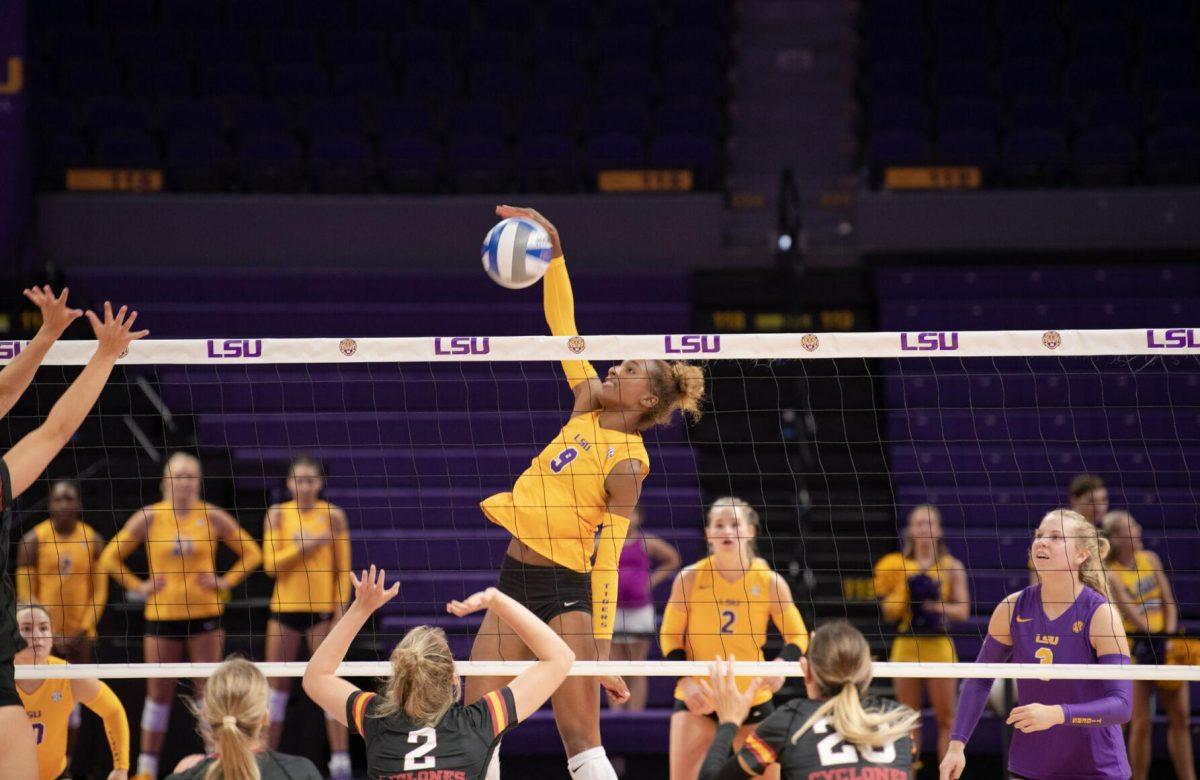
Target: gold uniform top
{"points": [[180, 548], [1142, 582], [67, 580], [49, 710], [729, 617], [558, 503], [316, 582], [891, 584]]}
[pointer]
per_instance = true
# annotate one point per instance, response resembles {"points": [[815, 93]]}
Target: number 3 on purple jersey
{"points": [[564, 457]]}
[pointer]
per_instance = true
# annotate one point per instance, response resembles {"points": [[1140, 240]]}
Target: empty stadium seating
{"points": [[1053, 93], [349, 96]]}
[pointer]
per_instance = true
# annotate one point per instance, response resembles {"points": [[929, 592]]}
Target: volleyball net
{"points": [[833, 438]]}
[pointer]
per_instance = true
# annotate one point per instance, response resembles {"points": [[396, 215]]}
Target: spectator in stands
{"points": [[636, 623], [1148, 608], [233, 718], [58, 566], [923, 591], [1089, 497], [306, 548], [184, 595]]}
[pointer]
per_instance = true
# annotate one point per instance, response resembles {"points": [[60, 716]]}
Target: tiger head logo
{"points": [[1077, 626], [810, 342], [348, 347], [576, 344], [1051, 339]]}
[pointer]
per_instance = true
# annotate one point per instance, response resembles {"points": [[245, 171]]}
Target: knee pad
{"points": [[277, 702], [591, 764], [156, 715]]}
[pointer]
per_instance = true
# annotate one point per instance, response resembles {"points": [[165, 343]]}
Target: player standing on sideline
{"points": [[588, 479], [836, 731], [635, 625], [719, 608], [51, 704], [306, 548], [415, 726], [1064, 728], [1147, 604], [23, 464], [922, 589], [184, 595], [58, 567]]}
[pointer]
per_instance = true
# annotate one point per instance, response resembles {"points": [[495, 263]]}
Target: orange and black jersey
{"points": [[819, 754], [459, 747]]}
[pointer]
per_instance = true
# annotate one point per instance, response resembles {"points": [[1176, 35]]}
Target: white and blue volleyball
{"points": [[516, 253]]}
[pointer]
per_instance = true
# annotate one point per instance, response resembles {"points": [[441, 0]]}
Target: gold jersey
{"points": [[49, 711], [891, 582], [180, 548], [558, 503], [1142, 581], [67, 580], [316, 582], [729, 617]]}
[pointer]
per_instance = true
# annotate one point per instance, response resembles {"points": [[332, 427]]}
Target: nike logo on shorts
{"points": [[1023, 620], [570, 603]]}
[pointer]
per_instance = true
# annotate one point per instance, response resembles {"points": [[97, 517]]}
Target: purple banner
{"points": [[14, 189]]}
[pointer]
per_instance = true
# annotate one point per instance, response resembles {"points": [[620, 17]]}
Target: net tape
{"points": [[635, 669], [761, 346]]}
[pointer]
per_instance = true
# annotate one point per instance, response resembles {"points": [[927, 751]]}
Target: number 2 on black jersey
{"points": [[416, 758]]}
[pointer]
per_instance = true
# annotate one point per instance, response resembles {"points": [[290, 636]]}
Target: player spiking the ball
{"points": [[587, 480]]}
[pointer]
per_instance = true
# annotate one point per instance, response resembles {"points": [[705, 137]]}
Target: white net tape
{"points": [[765, 346], [634, 669]]}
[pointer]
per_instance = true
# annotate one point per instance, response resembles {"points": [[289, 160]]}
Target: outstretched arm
{"points": [[56, 317], [559, 301], [533, 686], [29, 457], [321, 682]]}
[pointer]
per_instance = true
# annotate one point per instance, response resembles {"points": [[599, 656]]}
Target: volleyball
{"points": [[516, 253]]}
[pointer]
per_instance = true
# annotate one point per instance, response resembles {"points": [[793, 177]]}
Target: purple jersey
{"points": [[1091, 752], [633, 573]]}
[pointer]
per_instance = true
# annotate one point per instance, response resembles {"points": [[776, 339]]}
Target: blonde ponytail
{"points": [[423, 684], [232, 718], [839, 662]]}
